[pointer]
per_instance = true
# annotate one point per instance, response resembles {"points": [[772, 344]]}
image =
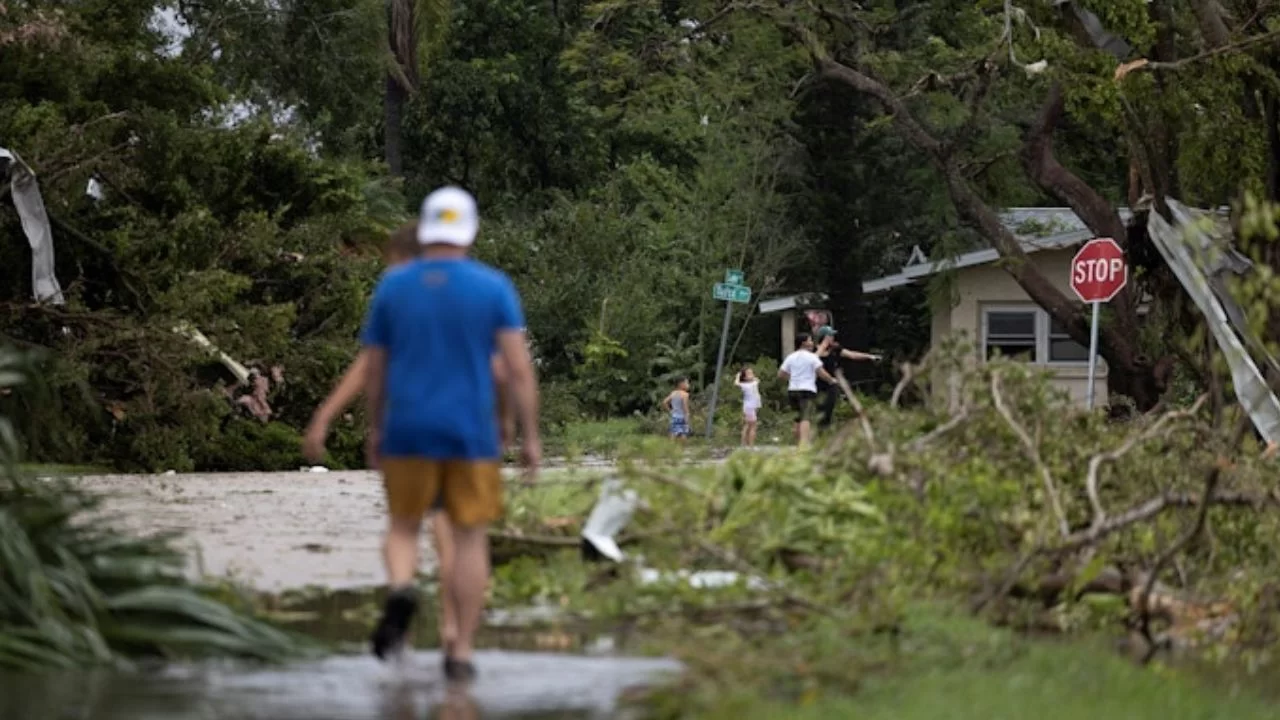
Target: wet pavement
{"points": [[516, 685]]}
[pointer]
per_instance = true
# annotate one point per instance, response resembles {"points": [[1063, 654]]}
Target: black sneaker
{"points": [[393, 628], [459, 670]]}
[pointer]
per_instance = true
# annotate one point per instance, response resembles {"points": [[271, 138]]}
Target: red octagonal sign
{"points": [[1099, 271]]}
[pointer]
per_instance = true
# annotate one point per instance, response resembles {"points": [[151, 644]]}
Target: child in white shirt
{"points": [[750, 386]]}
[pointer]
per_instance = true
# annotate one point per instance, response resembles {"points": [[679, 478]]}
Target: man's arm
{"points": [[524, 390], [506, 408], [345, 391], [375, 338], [339, 398], [855, 355], [375, 384], [822, 372]]}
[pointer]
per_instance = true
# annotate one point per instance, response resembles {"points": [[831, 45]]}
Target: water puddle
{"points": [[532, 667], [513, 685]]}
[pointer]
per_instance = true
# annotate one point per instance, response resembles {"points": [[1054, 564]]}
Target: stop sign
{"points": [[1099, 271]]}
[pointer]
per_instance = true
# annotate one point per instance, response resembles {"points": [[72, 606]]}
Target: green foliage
{"points": [[239, 231], [75, 592], [861, 534]]}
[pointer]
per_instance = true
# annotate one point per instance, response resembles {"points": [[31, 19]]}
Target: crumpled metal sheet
{"points": [[1200, 263], [1101, 38], [35, 224]]}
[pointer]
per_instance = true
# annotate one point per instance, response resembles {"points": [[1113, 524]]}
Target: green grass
{"points": [[957, 668]]}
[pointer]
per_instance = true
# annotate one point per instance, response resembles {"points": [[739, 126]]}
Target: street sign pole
{"points": [[730, 291], [1099, 272], [1093, 354], [715, 389]]}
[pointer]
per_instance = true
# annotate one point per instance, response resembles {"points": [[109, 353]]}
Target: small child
{"points": [[750, 386], [678, 405]]}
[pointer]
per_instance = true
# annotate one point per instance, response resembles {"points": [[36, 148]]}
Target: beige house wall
{"points": [[986, 286]]}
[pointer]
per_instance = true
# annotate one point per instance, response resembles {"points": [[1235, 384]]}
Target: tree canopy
{"points": [[625, 154]]}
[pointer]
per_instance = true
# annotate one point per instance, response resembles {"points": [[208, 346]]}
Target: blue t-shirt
{"points": [[438, 322]]}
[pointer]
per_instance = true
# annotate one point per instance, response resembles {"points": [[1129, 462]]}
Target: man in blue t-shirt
{"points": [[432, 329]]}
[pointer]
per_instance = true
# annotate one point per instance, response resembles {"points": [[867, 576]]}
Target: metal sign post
{"points": [[730, 291], [1098, 273], [1093, 355]]}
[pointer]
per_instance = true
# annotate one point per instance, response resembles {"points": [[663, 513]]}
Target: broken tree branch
{"points": [[923, 441], [1033, 453], [1197, 527], [908, 378], [1126, 69], [1135, 439], [1141, 512], [865, 423]]}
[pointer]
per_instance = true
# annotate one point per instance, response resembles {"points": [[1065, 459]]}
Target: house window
{"points": [[1026, 332], [1010, 333], [1062, 348]]}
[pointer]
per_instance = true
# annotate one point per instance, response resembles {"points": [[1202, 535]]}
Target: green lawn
{"points": [[962, 669]]}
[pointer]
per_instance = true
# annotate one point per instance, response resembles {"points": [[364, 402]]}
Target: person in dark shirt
{"points": [[830, 351]]}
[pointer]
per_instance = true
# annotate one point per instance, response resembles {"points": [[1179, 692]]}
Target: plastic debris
{"points": [[703, 579], [611, 513]]}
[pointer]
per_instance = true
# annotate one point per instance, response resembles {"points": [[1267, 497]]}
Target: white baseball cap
{"points": [[449, 216]]}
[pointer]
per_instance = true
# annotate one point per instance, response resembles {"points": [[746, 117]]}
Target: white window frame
{"points": [[1042, 324]]}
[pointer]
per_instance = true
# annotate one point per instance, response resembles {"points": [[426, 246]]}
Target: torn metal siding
{"points": [[35, 225], [1200, 264]]}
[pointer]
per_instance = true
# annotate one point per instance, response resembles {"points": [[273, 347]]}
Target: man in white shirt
{"points": [[801, 369]]}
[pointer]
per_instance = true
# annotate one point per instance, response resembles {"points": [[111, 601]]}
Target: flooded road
{"points": [[310, 543], [513, 685]]}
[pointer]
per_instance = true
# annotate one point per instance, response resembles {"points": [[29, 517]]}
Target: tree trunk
{"points": [[393, 120]]}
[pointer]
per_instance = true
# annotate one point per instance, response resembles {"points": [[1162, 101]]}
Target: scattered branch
{"points": [[865, 423], [1144, 64], [744, 567], [1135, 439], [1033, 452], [923, 441], [1193, 532], [908, 378], [1197, 527]]}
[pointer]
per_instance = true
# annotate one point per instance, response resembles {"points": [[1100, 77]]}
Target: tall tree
{"points": [[415, 32], [953, 96]]}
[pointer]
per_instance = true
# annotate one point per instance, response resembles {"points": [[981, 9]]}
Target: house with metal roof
{"points": [[987, 305]]}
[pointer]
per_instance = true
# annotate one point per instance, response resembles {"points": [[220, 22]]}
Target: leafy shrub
{"points": [[74, 591]]}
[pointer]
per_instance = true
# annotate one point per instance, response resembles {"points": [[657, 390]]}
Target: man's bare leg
{"points": [[400, 553], [802, 432], [442, 532], [469, 582]]}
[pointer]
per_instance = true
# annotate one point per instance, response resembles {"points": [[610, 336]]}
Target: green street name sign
{"points": [[734, 277], [731, 293]]}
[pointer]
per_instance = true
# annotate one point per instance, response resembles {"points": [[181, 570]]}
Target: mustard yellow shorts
{"points": [[471, 491]]}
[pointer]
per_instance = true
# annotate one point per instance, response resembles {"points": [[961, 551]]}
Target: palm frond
{"points": [[74, 591]]}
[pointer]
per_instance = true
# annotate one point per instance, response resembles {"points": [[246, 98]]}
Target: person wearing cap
{"points": [[830, 351], [402, 247], [431, 330]]}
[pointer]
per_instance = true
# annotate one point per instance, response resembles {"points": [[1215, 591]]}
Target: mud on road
{"points": [[268, 531]]}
